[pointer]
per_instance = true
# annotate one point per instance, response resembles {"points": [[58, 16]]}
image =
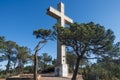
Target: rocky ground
{"points": [[54, 78], [47, 77], [50, 76]]}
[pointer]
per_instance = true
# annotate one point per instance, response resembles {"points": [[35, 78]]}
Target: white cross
{"points": [[62, 19], [59, 14]]}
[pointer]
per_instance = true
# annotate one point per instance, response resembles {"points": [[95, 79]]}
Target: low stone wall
{"points": [[24, 77]]}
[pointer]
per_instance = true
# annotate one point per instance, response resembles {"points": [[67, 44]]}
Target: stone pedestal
{"points": [[61, 70]]}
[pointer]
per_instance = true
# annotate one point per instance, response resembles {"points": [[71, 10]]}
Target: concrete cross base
{"points": [[61, 70]]}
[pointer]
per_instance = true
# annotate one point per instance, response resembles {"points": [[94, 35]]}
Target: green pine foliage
{"points": [[84, 40]]}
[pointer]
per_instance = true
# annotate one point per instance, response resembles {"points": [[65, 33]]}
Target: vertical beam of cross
{"points": [[62, 19]]}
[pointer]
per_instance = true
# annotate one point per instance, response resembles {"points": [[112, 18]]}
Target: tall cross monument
{"points": [[62, 68]]}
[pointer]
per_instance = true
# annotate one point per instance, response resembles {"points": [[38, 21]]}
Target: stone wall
{"points": [[24, 77]]}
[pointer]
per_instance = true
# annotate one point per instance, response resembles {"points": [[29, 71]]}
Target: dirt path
{"points": [[52, 78]]}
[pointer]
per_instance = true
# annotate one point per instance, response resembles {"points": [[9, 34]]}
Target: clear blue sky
{"points": [[18, 18]]}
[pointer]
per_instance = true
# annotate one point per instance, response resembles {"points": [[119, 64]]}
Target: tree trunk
{"points": [[76, 68], [8, 64], [35, 65], [18, 66]]}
